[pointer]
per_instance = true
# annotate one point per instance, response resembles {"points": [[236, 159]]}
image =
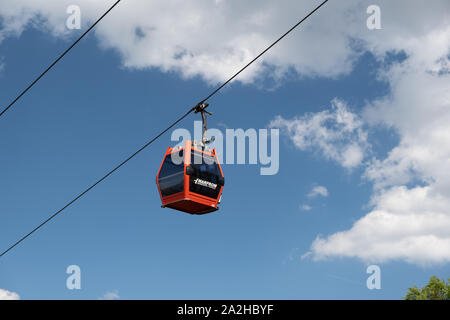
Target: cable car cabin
{"points": [[190, 179]]}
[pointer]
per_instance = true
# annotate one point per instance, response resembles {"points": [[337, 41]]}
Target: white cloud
{"points": [[8, 295], [305, 207], [408, 224], [111, 295], [337, 133], [210, 39], [410, 219], [318, 191], [213, 39]]}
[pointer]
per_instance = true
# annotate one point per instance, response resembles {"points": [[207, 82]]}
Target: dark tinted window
{"points": [[204, 181], [171, 177]]}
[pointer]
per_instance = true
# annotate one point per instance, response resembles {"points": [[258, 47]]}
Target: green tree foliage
{"points": [[436, 289]]}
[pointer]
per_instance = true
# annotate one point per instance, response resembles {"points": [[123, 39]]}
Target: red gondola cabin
{"points": [[190, 179]]}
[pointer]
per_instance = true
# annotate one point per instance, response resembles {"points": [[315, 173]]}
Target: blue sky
{"points": [[90, 112]]}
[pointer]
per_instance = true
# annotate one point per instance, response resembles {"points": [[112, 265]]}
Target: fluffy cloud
{"points": [[410, 219], [408, 224], [337, 133], [318, 191], [111, 295], [211, 39], [7, 295], [305, 207]]}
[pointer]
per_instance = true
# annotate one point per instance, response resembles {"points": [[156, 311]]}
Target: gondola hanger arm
{"points": [[201, 108]]}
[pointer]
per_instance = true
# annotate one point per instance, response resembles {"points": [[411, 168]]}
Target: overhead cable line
{"points": [[193, 109], [96, 183], [264, 51], [57, 60]]}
